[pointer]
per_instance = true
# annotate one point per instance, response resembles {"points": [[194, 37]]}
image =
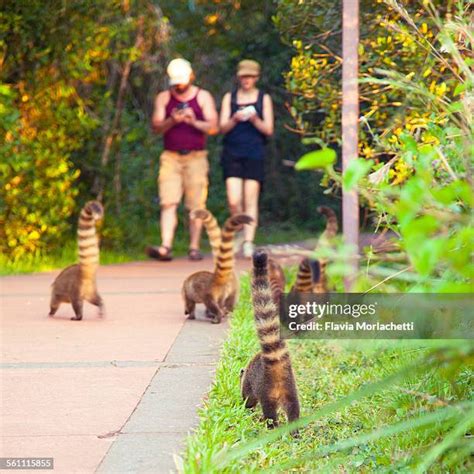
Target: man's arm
{"points": [[209, 124], [264, 125], [159, 123]]}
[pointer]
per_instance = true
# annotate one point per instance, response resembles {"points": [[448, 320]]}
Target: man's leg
{"points": [[168, 223], [195, 228], [195, 183], [171, 191], [251, 195]]}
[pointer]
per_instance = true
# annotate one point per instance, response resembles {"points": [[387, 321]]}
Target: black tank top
{"points": [[245, 140]]}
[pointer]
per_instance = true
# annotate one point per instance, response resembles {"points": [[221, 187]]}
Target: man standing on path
{"points": [[185, 115]]}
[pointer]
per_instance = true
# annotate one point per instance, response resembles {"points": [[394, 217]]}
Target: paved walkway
{"points": [[104, 395]]}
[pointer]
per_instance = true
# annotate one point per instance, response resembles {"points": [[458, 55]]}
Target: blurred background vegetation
{"points": [[77, 87]]}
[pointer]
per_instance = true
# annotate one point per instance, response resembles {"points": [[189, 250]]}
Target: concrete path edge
{"points": [[155, 432]]}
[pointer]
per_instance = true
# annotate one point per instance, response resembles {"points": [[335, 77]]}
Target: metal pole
{"points": [[350, 117]]}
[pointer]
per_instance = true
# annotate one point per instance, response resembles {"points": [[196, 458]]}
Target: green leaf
{"points": [[356, 170], [456, 190], [426, 255], [313, 141], [455, 107], [461, 87], [316, 159], [6, 90]]}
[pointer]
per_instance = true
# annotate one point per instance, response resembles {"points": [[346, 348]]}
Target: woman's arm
{"points": [[264, 125], [227, 123]]}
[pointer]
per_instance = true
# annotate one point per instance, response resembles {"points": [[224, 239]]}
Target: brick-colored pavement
{"points": [[68, 387]]}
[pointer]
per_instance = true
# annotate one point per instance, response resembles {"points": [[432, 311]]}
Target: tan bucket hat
{"points": [[248, 67]]}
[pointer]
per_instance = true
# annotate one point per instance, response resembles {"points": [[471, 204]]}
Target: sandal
{"points": [[195, 255], [154, 252]]}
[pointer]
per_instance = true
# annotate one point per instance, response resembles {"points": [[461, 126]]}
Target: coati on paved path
{"points": [[218, 290], [77, 283]]}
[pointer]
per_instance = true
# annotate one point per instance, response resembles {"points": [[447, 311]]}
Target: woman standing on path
{"points": [[246, 121]]}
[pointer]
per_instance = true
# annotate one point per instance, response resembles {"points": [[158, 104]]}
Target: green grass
{"points": [[327, 372], [112, 252]]}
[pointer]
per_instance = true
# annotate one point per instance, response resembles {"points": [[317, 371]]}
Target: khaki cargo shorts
{"points": [[184, 174]]}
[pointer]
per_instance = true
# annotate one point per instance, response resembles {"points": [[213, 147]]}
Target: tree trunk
{"points": [[114, 127], [350, 118]]}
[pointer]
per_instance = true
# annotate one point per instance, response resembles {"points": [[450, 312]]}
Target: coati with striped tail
{"points": [[213, 230], [218, 290], [277, 280], [308, 276], [268, 378], [77, 283], [311, 276]]}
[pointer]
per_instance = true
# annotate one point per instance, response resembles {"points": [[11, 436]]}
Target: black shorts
{"points": [[245, 168]]}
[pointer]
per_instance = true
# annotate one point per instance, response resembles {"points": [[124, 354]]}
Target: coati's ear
{"points": [[242, 371]]}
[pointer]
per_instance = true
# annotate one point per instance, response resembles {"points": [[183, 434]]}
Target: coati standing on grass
{"points": [[308, 277], [277, 280], [218, 290], [331, 226], [311, 276], [268, 379], [77, 283]]}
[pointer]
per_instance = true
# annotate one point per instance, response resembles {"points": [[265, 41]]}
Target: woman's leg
{"points": [[234, 188], [251, 195]]}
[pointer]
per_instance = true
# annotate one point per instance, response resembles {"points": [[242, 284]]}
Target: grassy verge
{"points": [[67, 254], [326, 372]]}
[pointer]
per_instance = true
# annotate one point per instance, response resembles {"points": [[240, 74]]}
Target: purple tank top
{"points": [[182, 136]]}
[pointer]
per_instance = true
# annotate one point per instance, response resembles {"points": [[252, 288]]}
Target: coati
{"points": [[77, 283], [218, 290], [311, 276], [308, 276], [277, 280], [331, 226], [268, 379]]}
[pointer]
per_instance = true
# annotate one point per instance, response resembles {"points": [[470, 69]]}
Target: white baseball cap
{"points": [[179, 71]]}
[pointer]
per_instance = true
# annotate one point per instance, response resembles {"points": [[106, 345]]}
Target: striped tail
{"points": [[87, 238], [320, 283], [304, 277], [212, 228], [277, 279], [331, 224], [225, 258], [266, 312]]}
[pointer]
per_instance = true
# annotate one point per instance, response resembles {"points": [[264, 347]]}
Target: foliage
{"points": [[386, 42], [371, 406], [37, 193], [62, 74], [423, 194], [61, 68]]}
